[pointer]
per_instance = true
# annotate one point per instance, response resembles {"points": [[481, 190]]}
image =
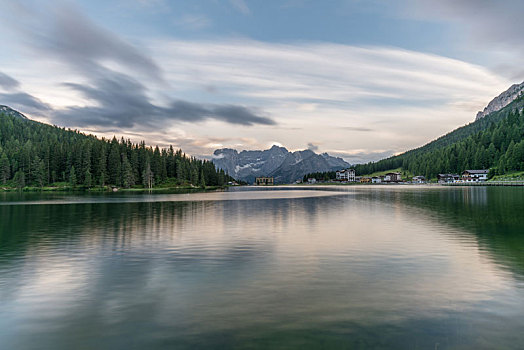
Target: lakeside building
{"points": [[393, 177], [447, 178], [312, 180], [475, 175], [377, 179], [264, 181], [419, 179], [346, 175], [365, 180]]}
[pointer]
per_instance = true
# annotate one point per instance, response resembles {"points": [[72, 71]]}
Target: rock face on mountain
{"points": [[502, 100], [9, 111], [284, 166]]}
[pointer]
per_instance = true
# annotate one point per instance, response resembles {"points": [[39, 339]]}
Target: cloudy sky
{"points": [[361, 79]]}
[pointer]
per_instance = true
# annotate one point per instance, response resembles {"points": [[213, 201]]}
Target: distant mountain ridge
{"points": [[278, 162], [502, 100]]}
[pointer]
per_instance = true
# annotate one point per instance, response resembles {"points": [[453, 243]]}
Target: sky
{"points": [[359, 79]]}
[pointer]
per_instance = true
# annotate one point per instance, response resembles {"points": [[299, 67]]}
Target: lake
{"points": [[357, 267]]}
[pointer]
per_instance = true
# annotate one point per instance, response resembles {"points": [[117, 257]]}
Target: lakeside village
{"points": [[349, 176]]}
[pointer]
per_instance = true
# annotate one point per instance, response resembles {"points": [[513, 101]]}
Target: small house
{"points": [[475, 175], [346, 175], [264, 181], [447, 178], [393, 177], [419, 179], [377, 179]]}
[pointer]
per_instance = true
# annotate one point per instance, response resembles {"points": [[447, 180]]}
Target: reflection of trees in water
{"points": [[494, 215], [137, 226]]}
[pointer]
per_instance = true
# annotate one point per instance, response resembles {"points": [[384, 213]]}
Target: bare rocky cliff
{"points": [[9, 111], [283, 165], [502, 100]]}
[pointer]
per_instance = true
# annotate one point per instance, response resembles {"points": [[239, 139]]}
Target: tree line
{"points": [[495, 142], [321, 176], [38, 154], [499, 147]]}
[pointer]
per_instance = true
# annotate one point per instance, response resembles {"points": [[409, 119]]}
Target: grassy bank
{"points": [[406, 175], [510, 176]]}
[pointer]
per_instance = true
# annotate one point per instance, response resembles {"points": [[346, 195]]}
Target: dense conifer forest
{"points": [[325, 176], [37, 154], [494, 142]]}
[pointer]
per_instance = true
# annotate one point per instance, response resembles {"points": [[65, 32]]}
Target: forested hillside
{"points": [[37, 154], [495, 141]]}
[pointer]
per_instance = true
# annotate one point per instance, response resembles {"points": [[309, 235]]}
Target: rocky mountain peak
{"points": [[9, 111], [283, 165], [502, 100]]}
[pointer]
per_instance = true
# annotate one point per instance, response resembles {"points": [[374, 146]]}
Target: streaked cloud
{"points": [[360, 129], [494, 27], [72, 37], [241, 6], [360, 156], [201, 91], [122, 102], [488, 21], [25, 102], [115, 78], [193, 21], [7, 82], [312, 147], [15, 98], [330, 74]]}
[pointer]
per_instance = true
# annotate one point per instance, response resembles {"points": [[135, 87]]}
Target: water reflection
{"points": [[384, 267], [492, 217]]}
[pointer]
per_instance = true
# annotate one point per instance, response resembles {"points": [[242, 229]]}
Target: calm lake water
{"points": [[358, 267]]}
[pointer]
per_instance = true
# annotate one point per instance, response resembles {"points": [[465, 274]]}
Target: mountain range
{"points": [[284, 166], [494, 140]]}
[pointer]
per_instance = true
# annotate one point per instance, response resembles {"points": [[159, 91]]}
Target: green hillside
{"points": [[37, 154], [495, 141]]}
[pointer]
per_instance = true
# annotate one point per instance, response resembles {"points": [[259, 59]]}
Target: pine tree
{"points": [[19, 179], [41, 154], [128, 179], [202, 180], [72, 176], [114, 166], [194, 174], [88, 179], [102, 167], [86, 161], [147, 176], [38, 175], [5, 171]]}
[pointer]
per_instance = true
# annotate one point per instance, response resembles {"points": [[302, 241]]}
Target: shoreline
{"points": [[106, 189]]}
